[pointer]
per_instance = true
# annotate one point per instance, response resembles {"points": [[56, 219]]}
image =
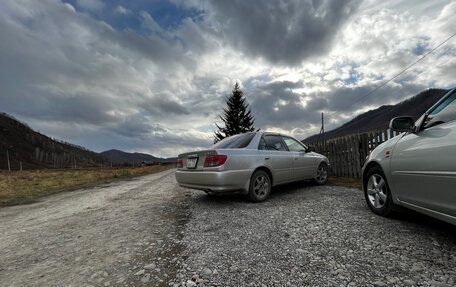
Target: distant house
{"points": [[145, 163]]}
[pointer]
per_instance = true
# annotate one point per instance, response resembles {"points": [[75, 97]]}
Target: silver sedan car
{"points": [[251, 163], [416, 169]]}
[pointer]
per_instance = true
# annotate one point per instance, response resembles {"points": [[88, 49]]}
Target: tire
{"points": [[322, 174], [260, 186], [377, 192]]}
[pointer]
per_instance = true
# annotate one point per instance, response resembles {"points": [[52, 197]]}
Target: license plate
{"points": [[191, 162]]}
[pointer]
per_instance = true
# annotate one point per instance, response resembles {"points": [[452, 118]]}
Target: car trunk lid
{"points": [[194, 161]]}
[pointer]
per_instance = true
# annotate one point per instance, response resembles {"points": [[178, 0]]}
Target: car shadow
{"points": [[233, 198], [409, 216], [405, 216], [290, 188]]}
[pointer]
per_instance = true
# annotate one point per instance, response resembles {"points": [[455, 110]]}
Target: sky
{"points": [[152, 76]]}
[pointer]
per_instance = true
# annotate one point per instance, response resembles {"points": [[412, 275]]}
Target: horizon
{"points": [[151, 76]]}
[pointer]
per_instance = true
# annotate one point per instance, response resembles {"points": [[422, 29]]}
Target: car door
{"points": [[304, 163], [423, 164], [275, 156]]}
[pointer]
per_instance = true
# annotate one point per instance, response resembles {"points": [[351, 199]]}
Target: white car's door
{"points": [[423, 164], [275, 155], [304, 163]]}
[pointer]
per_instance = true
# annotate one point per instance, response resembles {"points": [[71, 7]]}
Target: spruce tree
{"points": [[237, 117]]}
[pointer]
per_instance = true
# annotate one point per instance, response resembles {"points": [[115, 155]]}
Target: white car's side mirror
{"points": [[402, 124]]}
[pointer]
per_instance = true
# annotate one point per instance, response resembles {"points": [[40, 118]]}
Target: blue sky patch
{"points": [[125, 14], [419, 49]]}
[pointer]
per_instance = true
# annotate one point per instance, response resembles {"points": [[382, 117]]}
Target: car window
{"points": [[236, 141], [262, 144], [273, 142], [293, 145], [443, 113]]}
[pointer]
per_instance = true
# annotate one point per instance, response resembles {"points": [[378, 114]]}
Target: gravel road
{"points": [[150, 232], [95, 237]]}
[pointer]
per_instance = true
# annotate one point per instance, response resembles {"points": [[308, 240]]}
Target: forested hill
{"points": [[118, 157], [36, 150], [379, 119]]}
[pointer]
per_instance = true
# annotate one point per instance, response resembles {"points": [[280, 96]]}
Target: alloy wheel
{"points": [[261, 186], [322, 174], [377, 190]]}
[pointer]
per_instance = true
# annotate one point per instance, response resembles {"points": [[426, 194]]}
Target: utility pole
{"points": [[322, 130], [7, 159]]}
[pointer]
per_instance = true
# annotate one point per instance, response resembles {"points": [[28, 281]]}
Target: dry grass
{"points": [[25, 186], [346, 182]]}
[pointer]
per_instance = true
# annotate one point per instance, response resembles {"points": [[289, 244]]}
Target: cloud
{"points": [[282, 32], [149, 22], [122, 10], [164, 105]]}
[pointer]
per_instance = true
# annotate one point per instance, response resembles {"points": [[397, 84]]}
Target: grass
{"points": [[20, 187], [345, 182]]}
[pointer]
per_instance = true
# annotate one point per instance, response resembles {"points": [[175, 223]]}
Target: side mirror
{"points": [[310, 149], [402, 124]]}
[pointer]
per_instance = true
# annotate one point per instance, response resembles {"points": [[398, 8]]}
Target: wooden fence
{"points": [[347, 154]]}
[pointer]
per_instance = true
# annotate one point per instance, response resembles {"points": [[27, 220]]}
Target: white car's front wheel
{"points": [[377, 192], [322, 174]]}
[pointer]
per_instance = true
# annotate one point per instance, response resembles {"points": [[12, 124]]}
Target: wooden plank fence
{"points": [[347, 154]]}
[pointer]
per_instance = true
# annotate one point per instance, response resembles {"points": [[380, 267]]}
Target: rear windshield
{"points": [[237, 141]]}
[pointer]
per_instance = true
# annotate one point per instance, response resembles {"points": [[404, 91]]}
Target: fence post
{"points": [[8, 160], [337, 156], [349, 156], [357, 157]]}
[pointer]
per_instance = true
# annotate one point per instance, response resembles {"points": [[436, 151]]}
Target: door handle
{"points": [[266, 158]]}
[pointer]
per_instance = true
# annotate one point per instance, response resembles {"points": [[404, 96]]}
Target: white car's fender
{"points": [[381, 155]]}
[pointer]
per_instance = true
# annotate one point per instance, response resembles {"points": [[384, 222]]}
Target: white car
{"points": [[416, 169], [251, 164]]}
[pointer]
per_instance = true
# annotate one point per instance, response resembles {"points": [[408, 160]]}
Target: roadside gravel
{"points": [[308, 235]]}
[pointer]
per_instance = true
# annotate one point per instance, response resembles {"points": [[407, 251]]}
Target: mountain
{"points": [[124, 158], [34, 150], [379, 119]]}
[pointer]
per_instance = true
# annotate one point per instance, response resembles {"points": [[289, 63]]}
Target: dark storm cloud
{"points": [[135, 126], [285, 32], [347, 100], [163, 104]]}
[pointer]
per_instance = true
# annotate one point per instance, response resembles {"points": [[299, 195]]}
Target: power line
{"points": [[401, 72], [408, 67]]}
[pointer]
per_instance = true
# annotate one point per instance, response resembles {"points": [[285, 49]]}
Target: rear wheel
{"points": [[260, 186], [377, 192], [322, 174]]}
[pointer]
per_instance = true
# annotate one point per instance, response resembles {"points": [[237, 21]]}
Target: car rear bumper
{"points": [[215, 181]]}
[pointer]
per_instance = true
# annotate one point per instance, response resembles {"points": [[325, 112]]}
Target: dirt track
{"points": [[100, 236]]}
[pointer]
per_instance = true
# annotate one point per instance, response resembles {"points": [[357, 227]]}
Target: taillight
{"points": [[214, 160], [180, 163]]}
